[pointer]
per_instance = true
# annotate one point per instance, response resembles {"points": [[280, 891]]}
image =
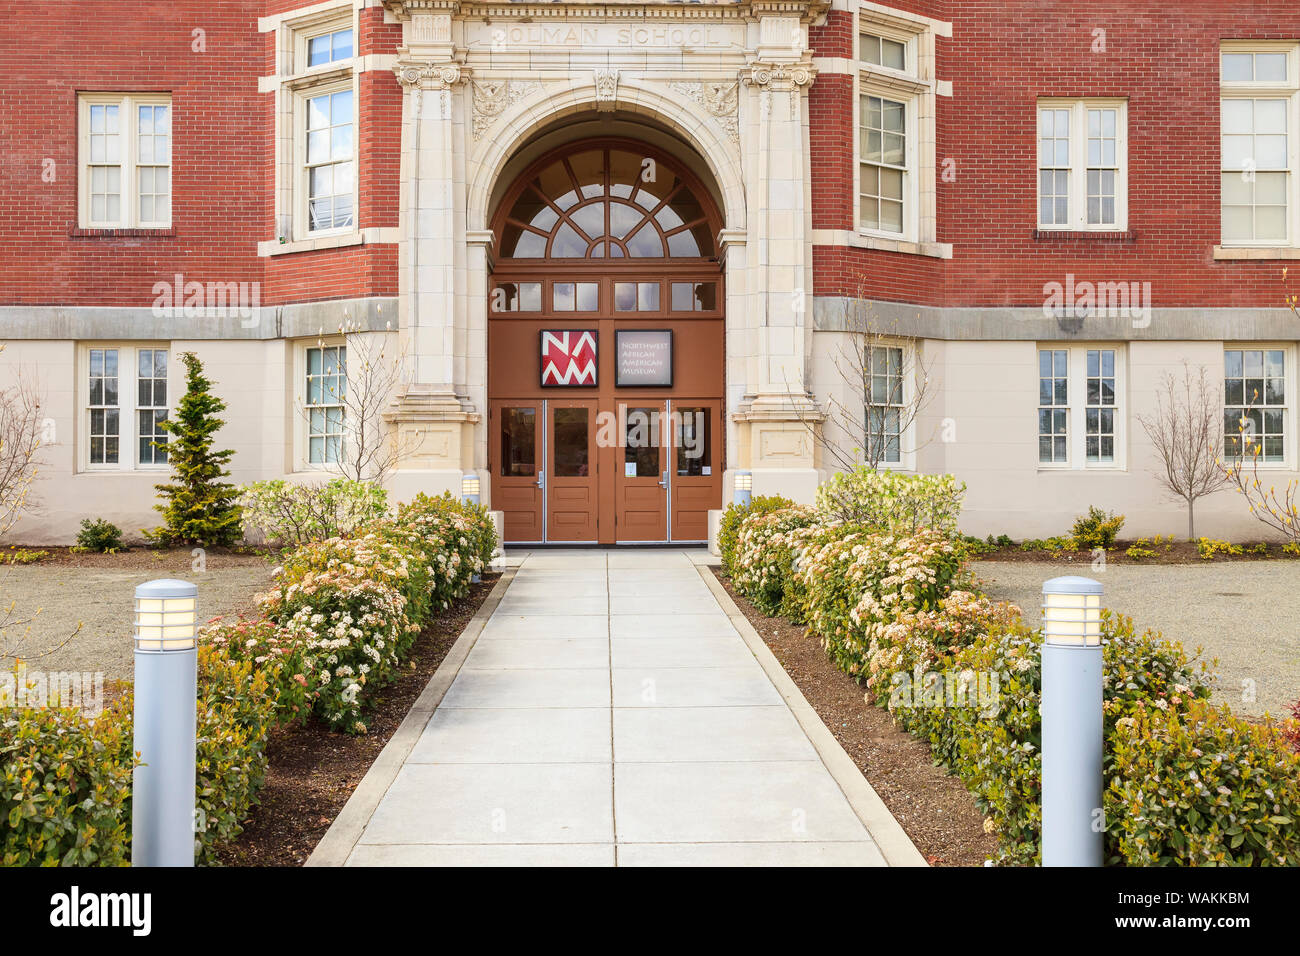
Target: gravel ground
{"points": [[101, 599], [1243, 613]]}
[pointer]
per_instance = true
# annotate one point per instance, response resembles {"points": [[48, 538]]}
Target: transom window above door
{"points": [[607, 202]]}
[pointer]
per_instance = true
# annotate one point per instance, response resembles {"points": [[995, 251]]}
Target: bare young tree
{"points": [[370, 368], [21, 433], [1186, 431], [22, 437], [889, 387]]}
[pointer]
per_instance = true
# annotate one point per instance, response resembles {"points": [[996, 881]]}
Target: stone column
{"points": [[776, 419], [433, 417]]}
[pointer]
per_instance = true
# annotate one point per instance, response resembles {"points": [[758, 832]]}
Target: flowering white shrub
{"points": [[289, 514], [346, 634], [892, 502], [764, 555]]}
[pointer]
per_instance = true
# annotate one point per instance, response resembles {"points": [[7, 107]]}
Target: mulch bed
{"points": [[935, 809], [313, 771], [142, 557], [1177, 552]]}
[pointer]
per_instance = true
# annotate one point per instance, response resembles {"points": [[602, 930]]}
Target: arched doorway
{"points": [[606, 349]]}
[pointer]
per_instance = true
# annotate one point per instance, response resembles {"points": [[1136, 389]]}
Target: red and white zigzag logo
{"points": [[568, 357]]}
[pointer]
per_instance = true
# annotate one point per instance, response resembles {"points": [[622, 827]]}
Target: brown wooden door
{"points": [[516, 448], [572, 499], [642, 481], [695, 478]]}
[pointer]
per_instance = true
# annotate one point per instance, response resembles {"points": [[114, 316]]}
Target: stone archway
{"points": [[734, 94]]}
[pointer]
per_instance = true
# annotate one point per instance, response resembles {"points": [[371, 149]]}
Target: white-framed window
{"points": [[1259, 112], [326, 385], [125, 160], [1080, 422], [317, 123], [885, 174], [125, 400], [1082, 164], [329, 159], [895, 131], [1255, 407], [329, 45], [886, 409]]}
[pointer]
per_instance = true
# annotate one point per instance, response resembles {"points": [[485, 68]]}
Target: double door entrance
{"points": [[604, 471]]}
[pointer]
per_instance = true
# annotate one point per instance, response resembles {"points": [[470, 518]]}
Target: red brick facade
{"points": [[1002, 56]]}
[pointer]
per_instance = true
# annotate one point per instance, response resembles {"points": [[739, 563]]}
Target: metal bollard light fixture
{"points": [[1071, 712], [470, 493], [744, 491], [164, 723], [469, 487]]}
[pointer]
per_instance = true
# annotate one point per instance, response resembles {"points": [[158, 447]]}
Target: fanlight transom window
{"points": [[606, 203]]}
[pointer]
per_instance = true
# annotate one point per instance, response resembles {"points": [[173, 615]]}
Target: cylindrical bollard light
{"points": [[1071, 712], [744, 492], [166, 691], [469, 487], [470, 492]]}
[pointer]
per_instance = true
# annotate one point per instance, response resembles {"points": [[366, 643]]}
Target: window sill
{"points": [[1256, 252], [1084, 235], [78, 232], [858, 240], [333, 240]]}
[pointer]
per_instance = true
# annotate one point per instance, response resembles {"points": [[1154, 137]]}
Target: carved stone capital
{"points": [[776, 77], [414, 74]]}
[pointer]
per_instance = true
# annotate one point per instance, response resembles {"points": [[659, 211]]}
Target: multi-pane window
{"points": [[1082, 180], [126, 404], [329, 160], [1103, 165], [1053, 406], [1079, 407], [1254, 403], [884, 405], [883, 154], [882, 51], [1258, 117], [1099, 412], [1256, 172], [329, 47], [1054, 167], [151, 405], [105, 410], [326, 393], [126, 160]]}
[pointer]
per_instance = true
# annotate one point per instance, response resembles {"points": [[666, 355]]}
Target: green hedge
{"points": [[339, 622], [1185, 783]]}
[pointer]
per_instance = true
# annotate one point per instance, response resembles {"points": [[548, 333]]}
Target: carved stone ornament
{"points": [[431, 76], [494, 97], [606, 90], [719, 98]]}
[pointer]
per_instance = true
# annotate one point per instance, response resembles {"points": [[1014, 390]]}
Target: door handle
{"points": [[663, 482], [541, 478]]}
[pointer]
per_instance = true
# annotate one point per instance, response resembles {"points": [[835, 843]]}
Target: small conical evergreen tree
{"points": [[198, 507]]}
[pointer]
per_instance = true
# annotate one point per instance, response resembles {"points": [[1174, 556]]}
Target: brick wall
{"points": [[222, 201], [1002, 56]]}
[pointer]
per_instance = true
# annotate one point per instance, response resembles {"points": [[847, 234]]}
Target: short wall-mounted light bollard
{"points": [[470, 493], [469, 487], [744, 492], [164, 724], [1071, 712]]}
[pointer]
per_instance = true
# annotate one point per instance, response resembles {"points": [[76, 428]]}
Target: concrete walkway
{"points": [[610, 713]]}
